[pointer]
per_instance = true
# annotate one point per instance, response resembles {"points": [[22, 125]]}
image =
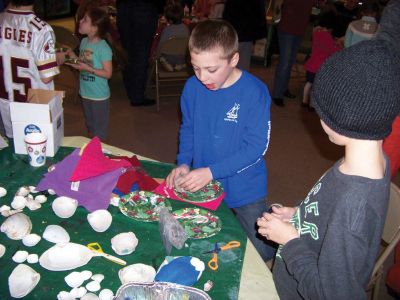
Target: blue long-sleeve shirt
{"points": [[228, 131]]}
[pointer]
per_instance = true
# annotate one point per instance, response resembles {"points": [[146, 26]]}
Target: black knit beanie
{"points": [[357, 90]]}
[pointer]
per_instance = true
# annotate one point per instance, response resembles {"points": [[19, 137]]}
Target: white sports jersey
{"points": [[27, 54]]}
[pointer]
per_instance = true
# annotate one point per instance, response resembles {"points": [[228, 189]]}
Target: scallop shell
{"points": [[64, 207], [17, 226], [41, 199], [31, 240], [56, 234], [2, 250], [106, 294], [22, 281], [93, 286], [100, 220], [32, 258], [3, 192], [74, 279], [19, 202], [78, 292], [20, 256], [137, 273], [62, 257], [124, 243]]}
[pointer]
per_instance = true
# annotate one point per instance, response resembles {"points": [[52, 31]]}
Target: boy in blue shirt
{"points": [[225, 128]]}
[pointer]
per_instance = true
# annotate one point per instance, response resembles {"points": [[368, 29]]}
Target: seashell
{"points": [[33, 205], [106, 294], [64, 207], [41, 199], [137, 273], [98, 277], [100, 220], [16, 226], [90, 296], [4, 208], [78, 292], [93, 286], [3, 192], [32, 258], [86, 274], [19, 202], [20, 256], [51, 191], [22, 281], [208, 285], [56, 234], [64, 295], [31, 240], [124, 243], [23, 191], [32, 189], [62, 257], [74, 279], [115, 200], [29, 197], [2, 250]]}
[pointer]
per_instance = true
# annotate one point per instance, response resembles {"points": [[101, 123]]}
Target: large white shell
{"points": [[31, 240], [19, 202], [106, 294], [64, 207], [17, 226], [41, 199], [3, 192], [62, 257], [100, 220], [74, 279], [22, 281], [20, 256], [2, 250], [56, 234], [124, 243], [93, 286], [138, 273], [32, 258]]}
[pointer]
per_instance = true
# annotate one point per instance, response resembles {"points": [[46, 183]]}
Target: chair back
{"points": [[173, 46]]}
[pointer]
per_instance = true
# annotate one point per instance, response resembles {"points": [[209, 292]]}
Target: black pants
{"points": [[137, 24]]}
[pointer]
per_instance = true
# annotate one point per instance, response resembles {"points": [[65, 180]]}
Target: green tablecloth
{"points": [[15, 172]]}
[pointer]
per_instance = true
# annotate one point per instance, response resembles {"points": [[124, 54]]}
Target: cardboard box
{"points": [[42, 112]]}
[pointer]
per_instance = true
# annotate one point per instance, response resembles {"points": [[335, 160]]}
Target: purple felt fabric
{"points": [[93, 193]]}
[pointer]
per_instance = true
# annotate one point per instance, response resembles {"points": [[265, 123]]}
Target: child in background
{"points": [[365, 28], [225, 128], [175, 28], [95, 66], [323, 46], [330, 242]]}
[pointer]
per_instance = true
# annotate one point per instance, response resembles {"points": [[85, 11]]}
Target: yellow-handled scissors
{"points": [[98, 251], [213, 263]]}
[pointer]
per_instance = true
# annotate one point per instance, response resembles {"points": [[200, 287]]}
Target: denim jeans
{"points": [[288, 47], [247, 216]]}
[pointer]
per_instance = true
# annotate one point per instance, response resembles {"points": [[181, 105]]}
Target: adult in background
{"points": [[137, 24], [27, 54], [347, 12], [248, 19], [294, 21]]}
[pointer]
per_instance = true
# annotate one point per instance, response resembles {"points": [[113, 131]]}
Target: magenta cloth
{"points": [[93, 193], [169, 193], [94, 163]]}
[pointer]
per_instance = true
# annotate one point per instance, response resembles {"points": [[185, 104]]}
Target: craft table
{"points": [[241, 274]]}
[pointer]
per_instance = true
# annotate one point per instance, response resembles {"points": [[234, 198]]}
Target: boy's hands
{"points": [[195, 180], [275, 229], [175, 174], [283, 213]]}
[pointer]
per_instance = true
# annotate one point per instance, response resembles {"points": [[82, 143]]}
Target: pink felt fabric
{"points": [[94, 163], [169, 193]]}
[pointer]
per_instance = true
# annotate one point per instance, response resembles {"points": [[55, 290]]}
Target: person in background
{"points": [[248, 19], [225, 128], [28, 56], [95, 67], [329, 242], [201, 9], [347, 11], [364, 28], [323, 46], [137, 24], [217, 9], [291, 29], [175, 28]]}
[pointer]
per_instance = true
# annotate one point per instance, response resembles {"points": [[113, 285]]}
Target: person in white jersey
{"points": [[27, 56]]}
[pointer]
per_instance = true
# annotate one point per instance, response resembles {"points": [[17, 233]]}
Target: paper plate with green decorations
{"points": [[143, 206], [198, 223], [210, 192]]}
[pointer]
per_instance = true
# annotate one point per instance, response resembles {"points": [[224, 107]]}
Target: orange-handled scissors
{"points": [[213, 263]]}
